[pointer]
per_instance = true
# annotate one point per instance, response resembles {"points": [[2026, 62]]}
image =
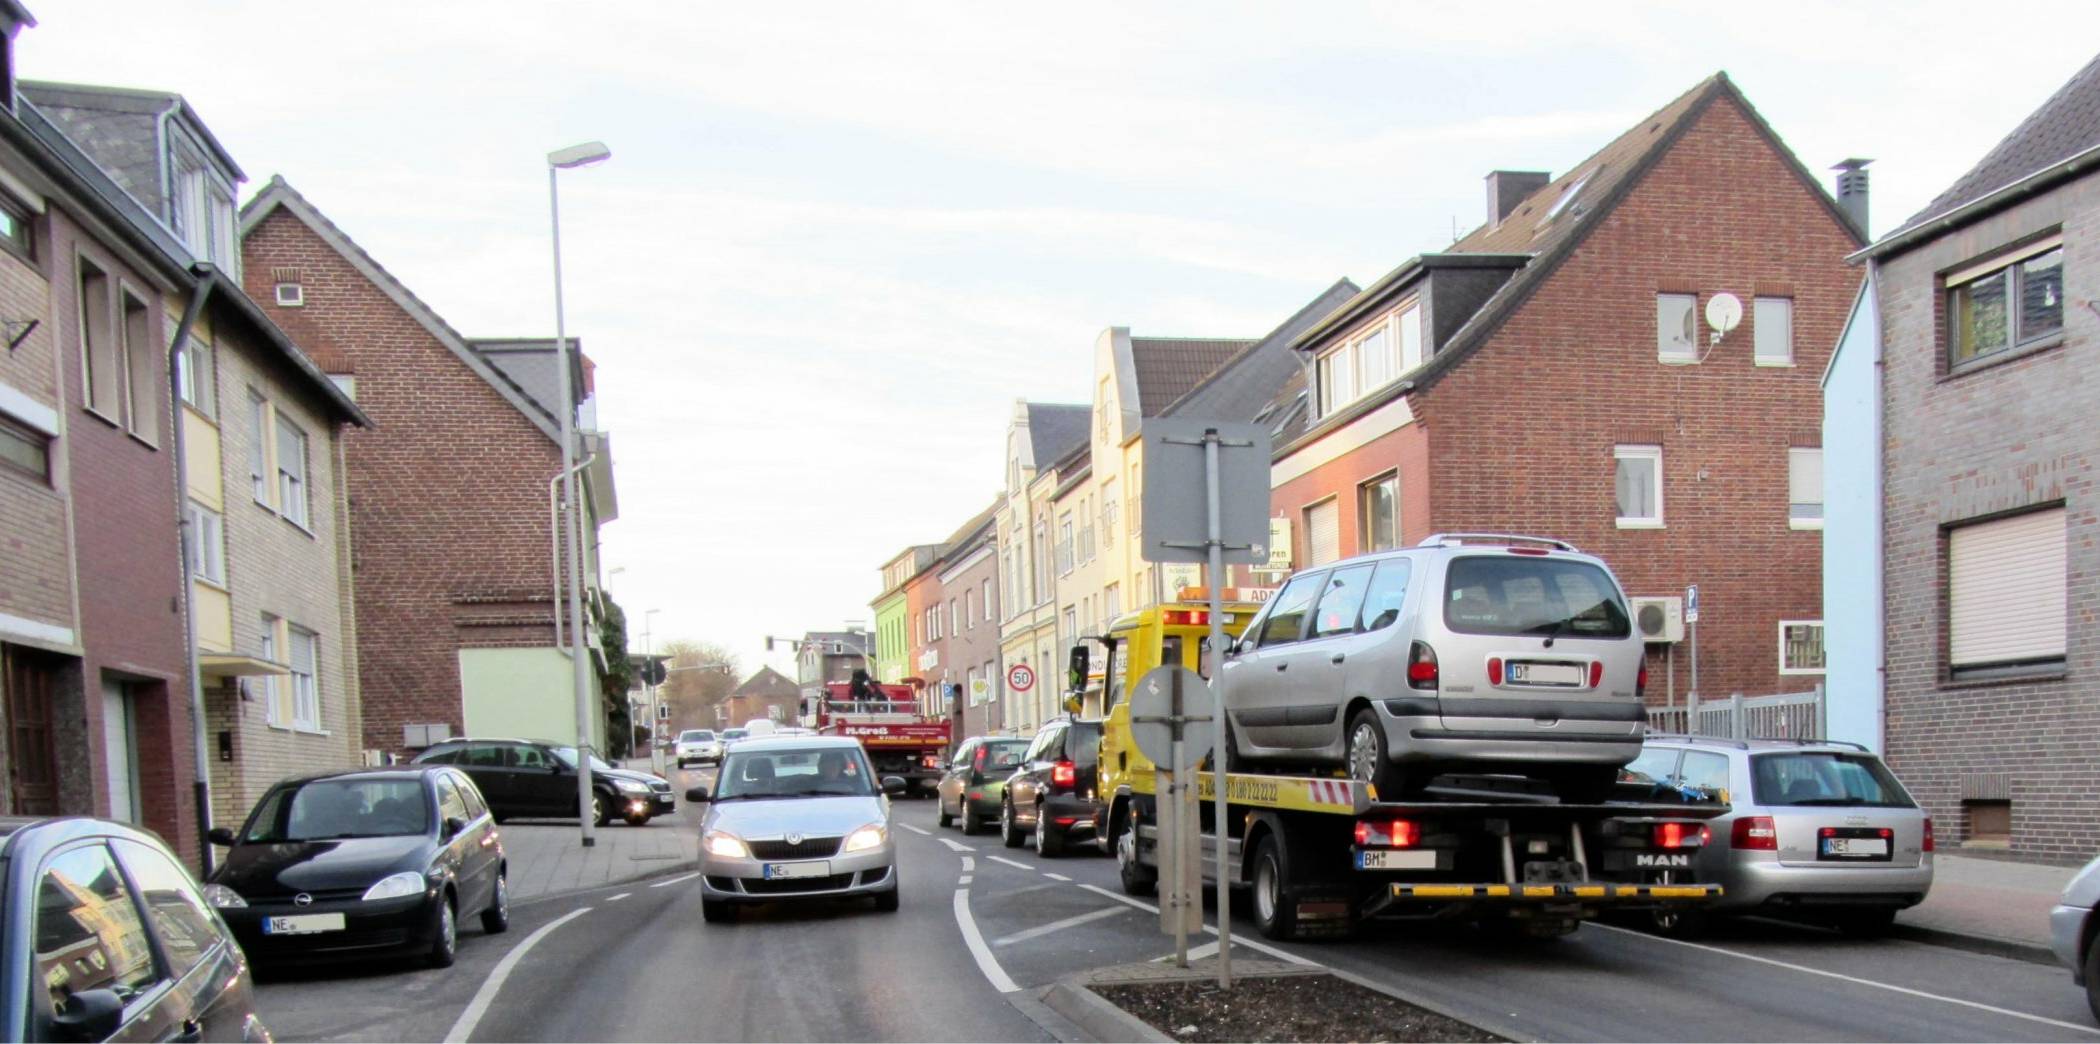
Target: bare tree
{"points": [[700, 675]]}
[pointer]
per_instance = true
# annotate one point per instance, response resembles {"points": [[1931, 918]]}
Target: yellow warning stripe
{"points": [[1551, 891]]}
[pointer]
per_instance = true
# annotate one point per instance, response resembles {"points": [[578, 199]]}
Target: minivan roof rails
{"points": [[1458, 539]]}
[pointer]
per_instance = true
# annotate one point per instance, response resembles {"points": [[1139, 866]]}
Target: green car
{"points": [[976, 780]]}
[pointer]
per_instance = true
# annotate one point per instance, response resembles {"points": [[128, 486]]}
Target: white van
{"points": [[758, 727]]}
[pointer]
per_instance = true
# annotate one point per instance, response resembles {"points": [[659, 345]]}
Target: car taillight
{"points": [[1494, 670], [1064, 774], [1755, 833], [977, 760], [1640, 683], [1682, 835], [1596, 673], [1421, 666], [1388, 833], [1928, 834]]}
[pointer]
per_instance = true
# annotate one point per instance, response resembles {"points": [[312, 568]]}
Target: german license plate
{"points": [[1395, 859], [303, 924], [1855, 847], [779, 871], [1545, 674]]}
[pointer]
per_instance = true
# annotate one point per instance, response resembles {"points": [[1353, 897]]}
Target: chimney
{"points": [[1852, 192], [13, 19], [1507, 188]]}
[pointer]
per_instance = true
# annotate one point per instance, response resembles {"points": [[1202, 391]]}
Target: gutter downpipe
{"points": [[554, 525], [208, 280]]}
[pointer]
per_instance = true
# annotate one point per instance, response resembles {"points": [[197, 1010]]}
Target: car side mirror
{"points": [[554, 769], [696, 794], [455, 826], [221, 836], [90, 1015], [893, 785]]}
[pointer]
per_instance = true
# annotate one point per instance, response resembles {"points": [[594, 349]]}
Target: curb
{"points": [[1487, 1023], [679, 867], [2012, 949], [1094, 1015]]}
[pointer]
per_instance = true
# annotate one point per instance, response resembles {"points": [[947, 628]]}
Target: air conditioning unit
{"points": [[1659, 619]]}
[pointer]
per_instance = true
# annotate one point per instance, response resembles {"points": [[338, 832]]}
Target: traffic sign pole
{"points": [[1221, 826]]}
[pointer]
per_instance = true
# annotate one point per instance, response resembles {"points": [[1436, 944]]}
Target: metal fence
{"points": [[1787, 715]]}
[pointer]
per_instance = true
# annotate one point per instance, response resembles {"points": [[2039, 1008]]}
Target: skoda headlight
{"points": [[870, 836], [396, 886], [728, 846], [223, 897], [630, 786]]}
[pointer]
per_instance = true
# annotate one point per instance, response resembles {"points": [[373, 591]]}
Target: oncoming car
{"points": [[797, 817], [698, 746]]}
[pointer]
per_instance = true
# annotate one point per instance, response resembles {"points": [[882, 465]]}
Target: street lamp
{"points": [[557, 161]]}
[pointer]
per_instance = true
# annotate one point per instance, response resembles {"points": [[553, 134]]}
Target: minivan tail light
{"points": [[1596, 673], [1494, 670], [1928, 834], [1755, 834], [1640, 683], [1421, 666], [1064, 774]]}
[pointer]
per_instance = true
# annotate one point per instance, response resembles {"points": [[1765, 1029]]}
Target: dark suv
{"points": [[529, 778], [1054, 792]]}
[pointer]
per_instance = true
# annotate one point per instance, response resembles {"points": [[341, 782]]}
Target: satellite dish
{"points": [[1723, 312]]}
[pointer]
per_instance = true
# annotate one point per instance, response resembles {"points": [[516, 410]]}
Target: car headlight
{"points": [[728, 846], [629, 786], [396, 886], [870, 836], [223, 897]]}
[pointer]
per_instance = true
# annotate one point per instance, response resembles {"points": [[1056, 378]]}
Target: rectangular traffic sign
{"points": [[1691, 603]]}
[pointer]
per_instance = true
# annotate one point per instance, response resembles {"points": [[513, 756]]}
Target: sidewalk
{"points": [[545, 858], [1988, 904]]}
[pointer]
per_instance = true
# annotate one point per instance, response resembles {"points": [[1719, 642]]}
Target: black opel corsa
{"points": [[362, 864]]}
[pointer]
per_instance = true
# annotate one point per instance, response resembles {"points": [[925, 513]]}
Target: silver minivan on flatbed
{"points": [[1477, 653]]}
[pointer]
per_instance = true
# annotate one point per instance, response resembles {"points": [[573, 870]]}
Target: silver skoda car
{"points": [[1470, 652], [793, 818]]}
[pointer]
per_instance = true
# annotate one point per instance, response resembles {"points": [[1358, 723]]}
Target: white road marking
{"points": [[1905, 990], [1282, 955], [921, 831], [1196, 953], [1058, 926], [1016, 864], [963, 880], [463, 1027], [955, 845], [1055, 877], [969, 864], [974, 939], [617, 898], [669, 881]]}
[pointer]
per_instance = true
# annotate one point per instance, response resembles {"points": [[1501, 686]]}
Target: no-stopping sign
{"points": [[1020, 678]]}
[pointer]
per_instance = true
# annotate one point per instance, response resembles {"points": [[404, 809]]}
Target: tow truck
{"points": [[899, 740], [1323, 854]]}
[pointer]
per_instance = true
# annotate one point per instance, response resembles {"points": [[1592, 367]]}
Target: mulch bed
{"points": [[1284, 1008]]}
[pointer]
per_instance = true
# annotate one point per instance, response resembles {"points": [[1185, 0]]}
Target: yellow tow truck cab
{"points": [[1170, 633]]}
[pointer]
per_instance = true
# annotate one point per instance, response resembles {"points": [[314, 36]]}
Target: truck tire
{"points": [[1138, 879], [1275, 911]]}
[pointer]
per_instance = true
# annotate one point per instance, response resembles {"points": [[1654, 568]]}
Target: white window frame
{"points": [[207, 541], [292, 491], [1638, 452], [262, 479], [2025, 597], [1665, 350], [991, 608], [1784, 667], [274, 713], [195, 376], [1793, 455], [306, 682], [1411, 344], [1765, 313]]}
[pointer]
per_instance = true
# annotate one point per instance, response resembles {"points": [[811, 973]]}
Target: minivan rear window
{"points": [[1527, 594], [1825, 778]]}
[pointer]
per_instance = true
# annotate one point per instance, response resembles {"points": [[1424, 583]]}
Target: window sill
{"points": [[1804, 523], [103, 417], [216, 585], [300, 526], [2021, 351], [143, 441], [1777, 364], [1676, 360], [2007, 676], [1639, 523]]}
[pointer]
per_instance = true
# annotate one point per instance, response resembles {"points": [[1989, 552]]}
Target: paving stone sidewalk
{"points": [[545, 858], [1998, 904]]}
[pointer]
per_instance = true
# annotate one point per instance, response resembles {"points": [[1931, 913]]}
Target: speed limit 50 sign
{"points": [[1020, 677]]}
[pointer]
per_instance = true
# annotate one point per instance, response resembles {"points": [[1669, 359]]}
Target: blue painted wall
{"points": [[1852, 590]]}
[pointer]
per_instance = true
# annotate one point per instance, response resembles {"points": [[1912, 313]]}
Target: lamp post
{"points": [[557, 161]]}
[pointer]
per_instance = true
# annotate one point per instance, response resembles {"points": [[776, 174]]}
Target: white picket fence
{"points": [[1786, 715]]}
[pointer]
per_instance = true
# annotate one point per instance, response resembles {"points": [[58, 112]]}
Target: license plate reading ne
{"points": [[303, 924], [1391, 859], [779, 871], [1855, 847], [1545, 674]]}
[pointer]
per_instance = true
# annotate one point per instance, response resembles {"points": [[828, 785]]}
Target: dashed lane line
{"points": [[969, 864], [617, 898], [921, 831], [963, 880], [974, 939], [1041, 930], [955, 845], [1282, 955], [463, 1027], [669, 881], [1055, 877], [1016, 864], [1855, 980]]}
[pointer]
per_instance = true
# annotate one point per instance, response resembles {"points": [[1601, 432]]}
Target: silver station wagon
{"points": [[1481, 653]]}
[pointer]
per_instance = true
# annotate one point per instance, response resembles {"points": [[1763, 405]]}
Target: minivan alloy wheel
{"points": [[1363, 752]]}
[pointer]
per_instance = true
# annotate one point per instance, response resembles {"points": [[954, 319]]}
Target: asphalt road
{"points": [[636, 962]]}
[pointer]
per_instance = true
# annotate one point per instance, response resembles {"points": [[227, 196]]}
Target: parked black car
{"points": [[359, 864], [532, 778], [1054, 791], [104, 934]]}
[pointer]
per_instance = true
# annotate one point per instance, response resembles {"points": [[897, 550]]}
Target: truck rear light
{"points": [[1755, 834], [1596, 673], [1187, 617], [1682, 835], [1388, 833], [1927, 846], [1494, 670], [1421, 667], [1064, 774], [1640, 683]]}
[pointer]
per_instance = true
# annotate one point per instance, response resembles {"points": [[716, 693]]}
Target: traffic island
{"points": [[1268, 1001]]}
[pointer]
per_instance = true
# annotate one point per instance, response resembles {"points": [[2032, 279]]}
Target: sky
{"points": [[836, 242]]}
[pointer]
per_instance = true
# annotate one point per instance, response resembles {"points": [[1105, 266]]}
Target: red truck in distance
{"points": [[899, 740]]}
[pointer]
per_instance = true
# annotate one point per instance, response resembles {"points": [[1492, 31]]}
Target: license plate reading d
{"points": [[303, 924], [1545, 674], [777, 871]]}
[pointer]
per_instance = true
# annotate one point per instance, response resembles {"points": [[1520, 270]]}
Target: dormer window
{"points": [[1374, 357], [201, 210]]}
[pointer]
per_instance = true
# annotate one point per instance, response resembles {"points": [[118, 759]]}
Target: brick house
{"points": [[459, 618], [766, 694], [270, 579], [1990, 513], [1550, 373]]}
